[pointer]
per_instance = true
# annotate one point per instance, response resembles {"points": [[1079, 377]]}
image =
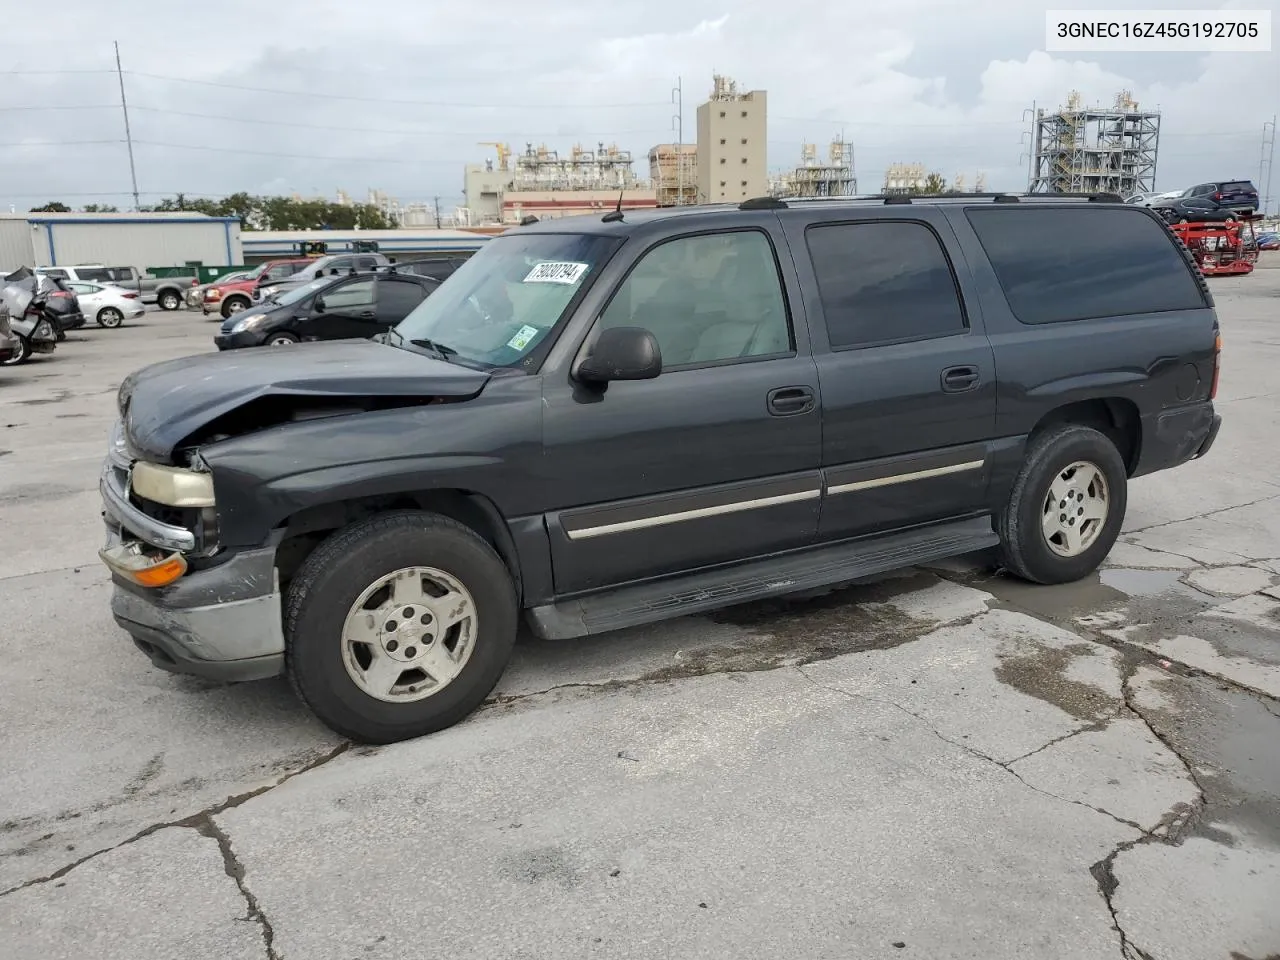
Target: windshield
{"points": [[257, 271], [503, 301], [302, 292]]}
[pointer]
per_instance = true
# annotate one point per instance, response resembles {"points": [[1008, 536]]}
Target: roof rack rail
{"points": [[763, 203], [997, 197]]}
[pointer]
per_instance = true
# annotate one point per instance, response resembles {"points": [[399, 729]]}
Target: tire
{"points": [[1028, 550], [110, 318], [169, 300], [327, 592], [233, 305], [282, 339], [22, 354]]}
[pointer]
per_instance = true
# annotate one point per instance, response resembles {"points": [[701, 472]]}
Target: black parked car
{"points": [[603, 422], [1220, 200], [329, 308], [439, 268]]}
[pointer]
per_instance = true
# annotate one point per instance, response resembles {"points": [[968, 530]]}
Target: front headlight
{"points": [[172, 486], [213, 293], [267, 291], [245, 324]]}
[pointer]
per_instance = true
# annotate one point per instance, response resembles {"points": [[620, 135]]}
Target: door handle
{"points": [[790, 401], [959, 379], [366, 315]]}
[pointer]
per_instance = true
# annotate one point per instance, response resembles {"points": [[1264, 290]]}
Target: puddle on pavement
{"points": [[1104, 590]]}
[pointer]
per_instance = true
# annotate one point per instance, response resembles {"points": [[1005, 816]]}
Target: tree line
{"points": [[258, 213]]}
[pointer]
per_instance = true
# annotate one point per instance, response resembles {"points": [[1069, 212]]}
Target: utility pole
{"points": [[1032, 148], [677, 97], [437, 203], [128, 136], [1268, 162]]}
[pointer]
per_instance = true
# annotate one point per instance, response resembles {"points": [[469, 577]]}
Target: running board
{"points": [[795, 572]]}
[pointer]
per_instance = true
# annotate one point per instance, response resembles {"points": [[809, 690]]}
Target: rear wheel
{"points": [[399, 626], [110, 317], [169, 300], [1067, 506], [22, 354]]}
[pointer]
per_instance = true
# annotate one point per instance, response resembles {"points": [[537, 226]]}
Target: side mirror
{"points": [[622, 353], [318, 305]]}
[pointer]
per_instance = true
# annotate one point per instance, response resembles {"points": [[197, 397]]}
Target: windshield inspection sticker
{"points": [[555, 271], [523, 336]]}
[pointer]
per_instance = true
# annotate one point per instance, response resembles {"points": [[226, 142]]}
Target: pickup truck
{"points": [[600, 422], [227, 296], [168, 292]]}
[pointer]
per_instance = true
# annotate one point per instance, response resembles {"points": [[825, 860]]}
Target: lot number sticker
{"points": [[553, 271], [522, 337]]}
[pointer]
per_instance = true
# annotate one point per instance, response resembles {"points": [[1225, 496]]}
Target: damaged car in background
{"points": [[33, 307], [602, 422]]}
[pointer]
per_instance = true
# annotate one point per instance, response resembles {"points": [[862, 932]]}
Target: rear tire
{"points": [[22, 354], [1062, 541], [168, 300], [338, 634], [110, 318]]}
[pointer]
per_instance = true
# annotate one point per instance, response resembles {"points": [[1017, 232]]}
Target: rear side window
{"points": [[1079, 263], [883, 281]]}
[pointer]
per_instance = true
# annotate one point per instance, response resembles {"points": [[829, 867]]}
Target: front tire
{"points": [[110, 318], [22, 354], [1066, 508], [234, 305], [399, 626], [169, 300], [281, 340]]}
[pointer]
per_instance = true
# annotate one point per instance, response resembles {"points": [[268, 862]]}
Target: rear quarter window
{"points": [[1076, 263]]}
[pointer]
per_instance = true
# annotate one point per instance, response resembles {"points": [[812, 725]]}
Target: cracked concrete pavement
{"points": [[942, 763]]}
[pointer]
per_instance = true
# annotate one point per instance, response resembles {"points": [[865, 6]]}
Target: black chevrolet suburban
{"points": [[599, 422]]}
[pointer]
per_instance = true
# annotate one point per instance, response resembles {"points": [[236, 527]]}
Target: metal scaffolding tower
{"points": [[1096, 149], [812, 177]]}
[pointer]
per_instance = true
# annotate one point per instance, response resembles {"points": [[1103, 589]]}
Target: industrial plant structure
{"points": [[901, 178], [544, 184], [1082, 149], [673, 168], [833, 177], [732, 143]]}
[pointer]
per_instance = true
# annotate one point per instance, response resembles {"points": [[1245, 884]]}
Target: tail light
{"points": [[131, 296], [1218, 195], [63, 294], [1217, 366]]}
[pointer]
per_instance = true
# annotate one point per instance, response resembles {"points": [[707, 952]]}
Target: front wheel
{"points": [[1066, 508], [281, 340], [399, 626], [22, 354], [169, 300], [110, 317], [233, 305]]}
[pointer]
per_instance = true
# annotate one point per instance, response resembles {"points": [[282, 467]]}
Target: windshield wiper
{"points": [[437, 348]]}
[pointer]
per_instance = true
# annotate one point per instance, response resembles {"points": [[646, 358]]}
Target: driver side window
{"points": [[710, 299]]}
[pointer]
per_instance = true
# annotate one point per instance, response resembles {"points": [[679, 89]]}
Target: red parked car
{"points": [[229, 298]]}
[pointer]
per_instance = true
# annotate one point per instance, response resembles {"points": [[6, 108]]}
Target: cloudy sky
{"points": [[311, 97]]}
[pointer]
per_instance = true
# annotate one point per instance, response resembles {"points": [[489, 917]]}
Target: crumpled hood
{"points": [[163, 404]]}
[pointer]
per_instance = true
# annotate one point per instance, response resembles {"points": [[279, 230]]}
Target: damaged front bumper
{"points": [[222, 621]]}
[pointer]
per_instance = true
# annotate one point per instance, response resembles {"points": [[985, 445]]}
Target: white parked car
{"points": [[109, 305]]}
